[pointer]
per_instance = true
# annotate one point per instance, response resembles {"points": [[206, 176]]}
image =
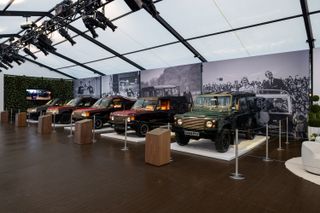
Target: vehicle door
{"points": [[163, 111], [243, 113]]}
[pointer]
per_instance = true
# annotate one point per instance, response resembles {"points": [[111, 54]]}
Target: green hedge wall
{"points": [[15, 90]]}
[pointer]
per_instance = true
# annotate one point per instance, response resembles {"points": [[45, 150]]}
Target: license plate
{"points": [[192, 133]]}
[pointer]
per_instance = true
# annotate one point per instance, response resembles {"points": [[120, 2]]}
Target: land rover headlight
{"points": [[85, 114], [30, 110], [210, 124], [53, 111], [112, 117], [179, 121], [131, 118]]}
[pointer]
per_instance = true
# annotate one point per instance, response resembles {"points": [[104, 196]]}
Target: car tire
{"points": [[250, 134], [142, 129], [223, 140], [98, 124], [182, 139]]}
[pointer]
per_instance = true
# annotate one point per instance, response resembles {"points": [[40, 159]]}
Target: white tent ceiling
{"points": [[216, 29]]}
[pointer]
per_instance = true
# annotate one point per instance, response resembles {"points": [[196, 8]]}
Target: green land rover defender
{"points": [[215, 116]]}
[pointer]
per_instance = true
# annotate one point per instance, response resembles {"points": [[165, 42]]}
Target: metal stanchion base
{"points": [[267, 159], [124, 149], [237, 176], [287, 143], [280, 149], [70, 136]]}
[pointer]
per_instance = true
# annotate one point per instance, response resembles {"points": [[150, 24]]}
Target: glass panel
{"points": [[313, 5], [278, 37], [30, 69], [246, 12], [52, 60], [116, 9], [3, 4], [112, 66], [315, 23], [220, 47], [79, 72], [166, 56], [136, 31], [83, 51], [11, 24], [33, 5], [181, 16]]}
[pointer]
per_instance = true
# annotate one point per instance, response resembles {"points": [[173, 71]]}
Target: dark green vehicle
{"points": [[215, 116]]}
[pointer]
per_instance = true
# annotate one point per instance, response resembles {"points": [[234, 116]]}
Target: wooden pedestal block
{"points": [[157, 148], [5, 117], [45, 124], [21, 119], [83, 132]]}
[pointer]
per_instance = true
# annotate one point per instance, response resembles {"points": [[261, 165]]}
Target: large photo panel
{"points": [[282, 79], [87, 86], [173, 81], [124, 84]]}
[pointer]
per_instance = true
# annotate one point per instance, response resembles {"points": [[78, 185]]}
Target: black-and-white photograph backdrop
{"points": [[283, 79], [175, 81], [125, 84], [87, 86]]}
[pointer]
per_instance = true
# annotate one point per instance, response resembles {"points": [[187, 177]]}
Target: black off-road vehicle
{"points": [[149, 113], [215, 116]]}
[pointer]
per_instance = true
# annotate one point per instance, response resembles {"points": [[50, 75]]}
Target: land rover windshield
{"points": [[212, 102], [102, 103], [73, 102], [143, 104]]}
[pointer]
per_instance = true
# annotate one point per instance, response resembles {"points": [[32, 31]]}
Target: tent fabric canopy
{"points": [[213, 29]]}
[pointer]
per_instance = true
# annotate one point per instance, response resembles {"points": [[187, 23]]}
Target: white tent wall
{"points": [[1, 91], [316, 71]]}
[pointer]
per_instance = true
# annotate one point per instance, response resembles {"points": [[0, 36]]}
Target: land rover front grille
{"points": [[119, 119], [193, 123]]}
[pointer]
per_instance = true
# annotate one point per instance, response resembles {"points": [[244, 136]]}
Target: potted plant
{"points": [[314, 117]]}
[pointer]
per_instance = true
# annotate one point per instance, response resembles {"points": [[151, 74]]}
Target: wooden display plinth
{"points": [[45, 124], [83, 132], [5, 117], [21, 119], [157, 148]]}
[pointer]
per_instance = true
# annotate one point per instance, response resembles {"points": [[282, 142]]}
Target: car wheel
{"points": [[250, 134], [98, 124], [182, 139], [142, 130], [223, 140]]}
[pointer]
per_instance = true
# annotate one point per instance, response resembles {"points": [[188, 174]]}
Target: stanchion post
{"points": [[125, 148], [93, 129], [168, 125], [18, 110], [267, 159], [54, 123], [287, 130], [71, 133], [280, 147], [237, 175]]}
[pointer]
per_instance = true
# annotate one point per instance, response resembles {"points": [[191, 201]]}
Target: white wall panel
{"points": [[316, 71]]}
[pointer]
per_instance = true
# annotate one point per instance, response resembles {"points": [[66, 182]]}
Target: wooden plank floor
{"points": [[51, 174]]}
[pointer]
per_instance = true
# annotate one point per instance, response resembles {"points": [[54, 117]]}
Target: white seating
{"points": [[310, 153]]}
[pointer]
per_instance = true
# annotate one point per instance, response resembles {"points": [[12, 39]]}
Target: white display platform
{"points": [[295, 166], [32, 121], [102, 130], [62, 125], [206, 148], [131, 137]]}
